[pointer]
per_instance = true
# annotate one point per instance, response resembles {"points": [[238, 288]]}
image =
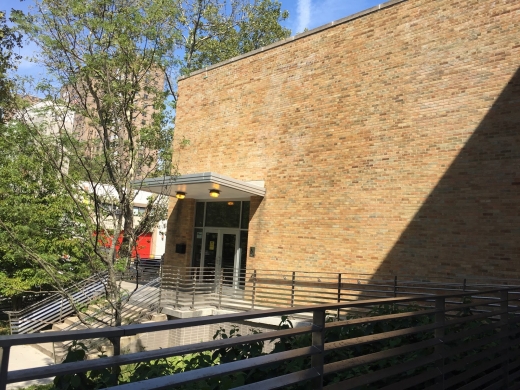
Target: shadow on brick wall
{"points": [[470, 223]]}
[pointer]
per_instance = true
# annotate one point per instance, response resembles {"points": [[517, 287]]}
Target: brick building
{"points": [[387, 142]]}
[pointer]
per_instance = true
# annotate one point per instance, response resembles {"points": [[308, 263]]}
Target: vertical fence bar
{"points": [[177, 283], [339, 292], [61, 309], [504, 330], [464, 285], [220, 283], [194, 286], [254, 290], [395, 286], [14, 321], [4, 366], [160, 284], [318, 341], [292, 287], [116, 370], [440, 319], [116, 343]]}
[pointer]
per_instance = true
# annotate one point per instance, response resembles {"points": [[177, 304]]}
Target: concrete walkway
{"points": [[25, 356]]}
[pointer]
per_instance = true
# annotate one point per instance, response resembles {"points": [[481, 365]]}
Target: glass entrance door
{"points": [[221, 253]]}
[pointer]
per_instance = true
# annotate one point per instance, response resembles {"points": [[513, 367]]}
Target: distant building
{"points": [[92, 134]]}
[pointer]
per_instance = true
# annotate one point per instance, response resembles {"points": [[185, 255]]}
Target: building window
{"points": [[138, 210], [221, 214]]}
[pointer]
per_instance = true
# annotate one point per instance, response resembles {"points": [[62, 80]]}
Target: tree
{"points": [[37, 216], [210, 31], [222, 38], [9, 40], [117, 61]]}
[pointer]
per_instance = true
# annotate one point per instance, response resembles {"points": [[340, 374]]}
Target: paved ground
{"points": [[25, 356]]}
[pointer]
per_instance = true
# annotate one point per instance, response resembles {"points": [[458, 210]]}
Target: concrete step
{"points": [[71, 320], [45, 348], [60, 326]]}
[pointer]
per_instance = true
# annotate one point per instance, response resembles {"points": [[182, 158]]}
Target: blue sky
{"points": [[302, 14], [314, 13]]}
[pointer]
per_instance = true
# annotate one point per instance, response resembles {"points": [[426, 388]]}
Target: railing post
{"points": [[339, 292], [194, 286], [220, 282], [116, 370], [4, 366], [318, 341], [440, 319], [395, 286], [504, 330], [464, 285], [14, 321], [254, 290], [177, 283], [54, 352], [292, 287], [116, 343], [61, 309], [160, 283]]}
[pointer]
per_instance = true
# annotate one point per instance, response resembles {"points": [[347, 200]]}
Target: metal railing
{"points": [[137, 305], [471, 340], [56, 307], [194, 287]]}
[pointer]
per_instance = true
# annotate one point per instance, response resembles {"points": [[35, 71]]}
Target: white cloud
{"points": [[304, 15]]}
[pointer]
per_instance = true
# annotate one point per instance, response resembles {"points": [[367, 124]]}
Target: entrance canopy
{"points": [[198, 186]]}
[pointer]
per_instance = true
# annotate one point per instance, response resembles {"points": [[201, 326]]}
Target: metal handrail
{"points": [[56, 307], [146, 297]]}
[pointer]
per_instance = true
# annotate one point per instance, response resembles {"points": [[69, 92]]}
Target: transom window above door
{"points": [[231, 214]]}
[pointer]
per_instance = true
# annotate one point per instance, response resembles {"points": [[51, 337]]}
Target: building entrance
{"points": [[220, 241], [222, 252]]}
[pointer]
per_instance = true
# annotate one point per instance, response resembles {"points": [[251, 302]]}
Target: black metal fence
{"points": [[465, 340]]}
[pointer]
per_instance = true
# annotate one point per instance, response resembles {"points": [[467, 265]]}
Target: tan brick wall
{"points": [[179, 230], [389, 143]]}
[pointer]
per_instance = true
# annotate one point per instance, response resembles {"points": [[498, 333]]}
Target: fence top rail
{"points": [[130, 330], [491, 282]]}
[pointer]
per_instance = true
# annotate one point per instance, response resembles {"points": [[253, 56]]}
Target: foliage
{"points": [[220, 37], [83, 381], [4, 328], [35, 213], [9, 40]]}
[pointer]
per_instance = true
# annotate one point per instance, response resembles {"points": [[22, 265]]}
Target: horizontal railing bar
{"points": [[376, 356], [481, 369], [366, 379], [166, 382], [386, 317], [417, 379], [401, 332], [393, 316], [462, 364], [282, 381], [98, 364], [37, 338], [514, 375]]}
